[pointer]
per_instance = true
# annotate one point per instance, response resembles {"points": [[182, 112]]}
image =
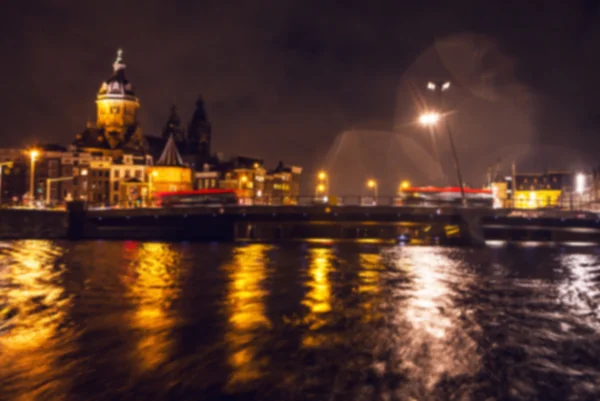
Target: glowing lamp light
{"points": [[371, 183], [321, 188], [580, 183], [405, 184], [430, 118], [322, 175]]}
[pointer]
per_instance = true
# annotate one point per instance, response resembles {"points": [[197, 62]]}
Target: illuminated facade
{"points": [[542, 190], [128, 185], [283, 184], [170, 174], [117, 130]]}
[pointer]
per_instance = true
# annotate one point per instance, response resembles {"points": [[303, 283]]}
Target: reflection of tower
{"points": [[117, 106], [173, 128], [199, 134]]}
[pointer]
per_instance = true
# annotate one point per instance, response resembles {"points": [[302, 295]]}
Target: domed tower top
{"points": [[116, 102], [117, 86]]}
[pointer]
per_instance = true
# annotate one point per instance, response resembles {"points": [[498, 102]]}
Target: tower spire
{"points": [[119, 64]]}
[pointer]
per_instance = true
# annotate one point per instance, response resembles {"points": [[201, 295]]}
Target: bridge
{"points": [[385, 224]]}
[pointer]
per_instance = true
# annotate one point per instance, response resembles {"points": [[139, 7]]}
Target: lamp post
{"points": [[432, 118], [324, 181], [404, 185], [32, 154], [373, 185], [9, 165]]}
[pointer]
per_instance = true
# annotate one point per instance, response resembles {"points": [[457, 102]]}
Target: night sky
{"points": [[318, 84]]}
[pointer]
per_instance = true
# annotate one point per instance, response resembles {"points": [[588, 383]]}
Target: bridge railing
{"points": [[360, 200]]}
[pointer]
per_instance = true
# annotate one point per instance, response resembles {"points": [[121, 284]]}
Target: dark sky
{"points": [[283, 79]]}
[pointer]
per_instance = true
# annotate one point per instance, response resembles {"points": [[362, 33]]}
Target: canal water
{"points": [[187, 321]]}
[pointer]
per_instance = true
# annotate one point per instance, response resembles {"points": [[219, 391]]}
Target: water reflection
{"points": [[434, 345], [369, 284], [318, 296], [155, 287], [579, 290], [246, 312], [34, 333]]}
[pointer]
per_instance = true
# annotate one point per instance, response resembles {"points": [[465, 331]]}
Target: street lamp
{"points": [[323, 182], [432, 118], [373, 185], [33, 153], [580, 183], [404, 184]]}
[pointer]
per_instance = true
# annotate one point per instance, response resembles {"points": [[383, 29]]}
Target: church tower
{"points": [[117, 106], [199, 134], [116, 103], [173, 128], [117, 130]]}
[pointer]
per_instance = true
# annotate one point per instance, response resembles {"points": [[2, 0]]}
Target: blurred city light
{"points": [[430, 118], [405, 184], [580, 183]]}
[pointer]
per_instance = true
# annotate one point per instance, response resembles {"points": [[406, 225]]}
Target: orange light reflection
{"points": [[152, 292], [34, 336], [247, 313]]}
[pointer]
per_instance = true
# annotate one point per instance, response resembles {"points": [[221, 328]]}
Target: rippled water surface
{"points": [[187, 321]]}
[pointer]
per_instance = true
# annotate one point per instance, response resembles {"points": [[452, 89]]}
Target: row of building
{"points": [[113, 163], [547, 189]]}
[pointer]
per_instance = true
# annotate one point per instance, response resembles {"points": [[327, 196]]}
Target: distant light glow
{"points": [[580, 183], [446, 85], [430, 118], [431, 86]]}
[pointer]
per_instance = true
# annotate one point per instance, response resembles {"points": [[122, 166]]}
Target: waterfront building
{"points": [[129, 180], [206, 178], [245, 175], [111, 161], [170, 173], [14, 181], [282, 185], [542, 189]]}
